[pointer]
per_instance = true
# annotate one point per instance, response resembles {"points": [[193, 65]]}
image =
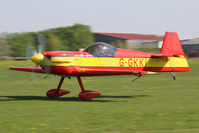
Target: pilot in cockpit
{"points": [[101, 49]]}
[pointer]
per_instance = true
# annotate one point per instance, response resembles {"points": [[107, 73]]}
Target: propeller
{"points": [[41, 43], [33, 54], [30, 51]]}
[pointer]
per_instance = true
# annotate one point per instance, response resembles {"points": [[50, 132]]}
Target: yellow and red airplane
{"points": [[101, 59]]}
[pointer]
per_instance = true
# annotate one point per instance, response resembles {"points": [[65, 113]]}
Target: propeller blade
{"points": [[41, 43], [30, 51]]}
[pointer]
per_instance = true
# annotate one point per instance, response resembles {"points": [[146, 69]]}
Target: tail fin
{"points": [[171, 45], [172, 50]]}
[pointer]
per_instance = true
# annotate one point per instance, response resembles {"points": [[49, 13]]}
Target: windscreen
{"points": [[100, 49]]}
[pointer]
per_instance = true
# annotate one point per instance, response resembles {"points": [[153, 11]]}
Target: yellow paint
{"points": [[37, 58], [116, 62], [62, 60]]}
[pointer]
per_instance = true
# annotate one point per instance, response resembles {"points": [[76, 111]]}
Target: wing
{"points": [[28, 69], [109, 71]]}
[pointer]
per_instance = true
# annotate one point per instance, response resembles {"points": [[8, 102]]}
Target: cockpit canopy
{"points": [[101, 49]]}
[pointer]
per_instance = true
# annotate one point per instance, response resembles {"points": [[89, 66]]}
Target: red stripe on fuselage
{"points": [[102, 71]]}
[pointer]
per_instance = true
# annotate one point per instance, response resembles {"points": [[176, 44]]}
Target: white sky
{"points": [[122, 16]]}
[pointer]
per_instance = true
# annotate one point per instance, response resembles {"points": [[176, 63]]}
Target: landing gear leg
{"points": [[86, 94], [53, 93], [174, 76]]}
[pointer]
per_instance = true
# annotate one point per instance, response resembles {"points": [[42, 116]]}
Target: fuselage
{"points": [[104, 59], [124, 62]]}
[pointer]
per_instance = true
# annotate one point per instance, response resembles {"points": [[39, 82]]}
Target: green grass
{"points": [[152, 104]]}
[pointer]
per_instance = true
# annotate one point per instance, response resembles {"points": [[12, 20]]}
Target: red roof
{"points": [[129, 36]]}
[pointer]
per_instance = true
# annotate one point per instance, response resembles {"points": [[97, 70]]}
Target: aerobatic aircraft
{"points": [[101, 59]]}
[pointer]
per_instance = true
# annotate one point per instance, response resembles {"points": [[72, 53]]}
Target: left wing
{"points": [[28, 69]]}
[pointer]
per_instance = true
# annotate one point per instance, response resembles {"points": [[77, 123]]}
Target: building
{"points": [[133, 41], [191, 47]]}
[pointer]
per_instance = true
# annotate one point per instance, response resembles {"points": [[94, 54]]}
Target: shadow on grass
{"points": [[74, 99], [134, 96]]}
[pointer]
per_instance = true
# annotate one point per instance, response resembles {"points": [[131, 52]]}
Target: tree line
{"points": [[69, 38]]}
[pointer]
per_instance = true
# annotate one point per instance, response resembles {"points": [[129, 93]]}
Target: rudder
{"points": [[171, 45]]}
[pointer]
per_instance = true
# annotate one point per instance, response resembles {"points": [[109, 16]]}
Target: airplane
{"points": [[102, 59]]}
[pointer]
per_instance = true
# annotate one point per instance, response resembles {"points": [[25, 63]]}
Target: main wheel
{"points": [[88, 94], [54, 93]]}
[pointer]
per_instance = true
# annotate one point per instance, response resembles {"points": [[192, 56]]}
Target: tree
{"points": [[4, 48], [18, 43], [74, 37], [63, 38], [53, 43]]}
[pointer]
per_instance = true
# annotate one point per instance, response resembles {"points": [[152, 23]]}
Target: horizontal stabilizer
{"points": [[167, 55], [159, 55]]}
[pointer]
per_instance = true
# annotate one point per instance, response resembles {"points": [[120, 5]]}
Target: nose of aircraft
{"points": [[37, 58]]}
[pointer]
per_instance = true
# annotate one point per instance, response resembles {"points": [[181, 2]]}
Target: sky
{"points": [[112, 16]]}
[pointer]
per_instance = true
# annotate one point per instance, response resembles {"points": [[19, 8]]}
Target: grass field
{"points": [[152, 104]]}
